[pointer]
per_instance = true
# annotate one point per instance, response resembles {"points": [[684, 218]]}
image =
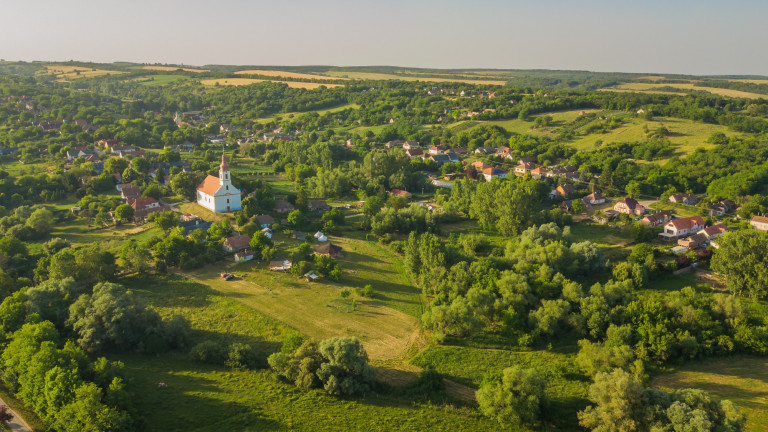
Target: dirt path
{"points": [[17, 424]]}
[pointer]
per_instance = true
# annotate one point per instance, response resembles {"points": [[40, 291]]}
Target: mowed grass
{"points": [[387, 324], [656, 88], [200, 397], [743, 380], [283, 74], [81, 231], [567, 388], [73, 72], [248, 81], [174, 68], [425, 78]]}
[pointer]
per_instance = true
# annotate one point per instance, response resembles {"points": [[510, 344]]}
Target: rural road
{"points": [[17, 424]]}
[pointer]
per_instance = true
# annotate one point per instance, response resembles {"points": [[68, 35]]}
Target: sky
{"points": [[699, 37]]}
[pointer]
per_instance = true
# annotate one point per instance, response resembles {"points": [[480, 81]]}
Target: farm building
{"points": [[759, 223], [328, 249], [280, 265], [283, 206], [402, 193], [265, 221], [244, 255]]}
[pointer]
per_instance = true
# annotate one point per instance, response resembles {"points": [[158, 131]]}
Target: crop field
{"points": [[743, 380], [425, 78], [158, 80], [174, 68], [73, 72], [387, 325], [282, 74], [247, 81], [653, 88]]}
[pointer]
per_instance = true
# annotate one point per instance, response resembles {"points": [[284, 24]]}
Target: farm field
{"points": [[284, 74], [384, 76], [174, 68], [73, 72], [387, 325], [247, 81], [653, 88], [200, 397], [158, 80], [743, 380]]}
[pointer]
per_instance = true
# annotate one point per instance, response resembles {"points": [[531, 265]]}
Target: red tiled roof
{"points": [[140, 203], [238, 241], [759, 219], [715, 229], [210, 185], [687, 223]]}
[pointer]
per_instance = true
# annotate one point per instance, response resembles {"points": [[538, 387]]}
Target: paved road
{"points": [[17, 424]]}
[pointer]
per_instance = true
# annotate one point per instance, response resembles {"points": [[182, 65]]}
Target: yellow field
{"points": [[173, 69], [282, 74], [752, 81], [72, 72], [651, 88], [247, 81], [383, 76]]}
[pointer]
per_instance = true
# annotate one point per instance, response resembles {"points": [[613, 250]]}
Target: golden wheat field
{"points": [[654, 88], [68, 72], [282, 74], [174, 68]]}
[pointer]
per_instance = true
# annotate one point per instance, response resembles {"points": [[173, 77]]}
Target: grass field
{"points": [[247, 81], [282, 74], [653, 88], [73, 72], [158, 80], [743, 380], [384, 76], [387, 325], [174, 68]]}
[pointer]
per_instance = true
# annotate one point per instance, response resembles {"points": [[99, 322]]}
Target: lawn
{"points": [[743, 380], [680, 209], [200, 397], [387, 324], [614, 243], [79, 231]]}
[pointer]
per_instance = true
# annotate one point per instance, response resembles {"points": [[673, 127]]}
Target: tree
{"points": [[517, 397], [166, 220], [743, 259], [153, 190], [124, 212], [185, 184], [5, 415], [115, 165], [620, 403], [136, 257], [41, 221], [260, 241], [140, 164]]}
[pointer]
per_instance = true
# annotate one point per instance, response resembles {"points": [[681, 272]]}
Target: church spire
{"points": [[224, 165]]}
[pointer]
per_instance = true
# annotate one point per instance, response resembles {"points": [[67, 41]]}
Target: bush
{"points": [[242, 356], [210, 352], [517, 397]]}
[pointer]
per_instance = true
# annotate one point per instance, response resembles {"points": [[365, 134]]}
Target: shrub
{"points": [[517, 397], [209, 352], [241, 356]]}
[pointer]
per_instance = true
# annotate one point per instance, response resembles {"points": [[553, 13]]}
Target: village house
{"points": [[130, 192], [480, 165], [452, 156], [704, 237], [328, 249], [217, 193], [440, 159], [436, 149], [759, 223], [318, 206], [142, 203], [485, 150], [679, 228], [593, 199], [539, 173], [492, 173], [414, 153], [192, 223], [689, 199], [721, 208], [402, 193], [283, 206], [693, 242], [265, 221], [524, 168], [244, 255], [564, 191], [629, 206], [657, 219], [236, 243]]}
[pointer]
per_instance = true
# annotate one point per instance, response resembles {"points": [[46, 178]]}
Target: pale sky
{"points": [[684, 36]]}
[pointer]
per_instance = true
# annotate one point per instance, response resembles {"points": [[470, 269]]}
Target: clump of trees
{"points": [[622, 403], [337, 365], [517, 397], [742, 259]]}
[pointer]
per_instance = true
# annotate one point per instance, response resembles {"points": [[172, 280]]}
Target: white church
{"points": [[218, 194]]}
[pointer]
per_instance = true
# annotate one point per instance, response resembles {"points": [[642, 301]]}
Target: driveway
{"points": [[17, 424]]}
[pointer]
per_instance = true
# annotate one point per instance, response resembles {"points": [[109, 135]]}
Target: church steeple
{"points": [[223, 170]]}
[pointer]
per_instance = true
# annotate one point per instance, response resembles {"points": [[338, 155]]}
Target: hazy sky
{"points": [[685, 36]]}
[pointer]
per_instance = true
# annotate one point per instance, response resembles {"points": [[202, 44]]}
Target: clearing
{"points": [[281, 74], [74, 72], [247, 81], [743, 380], [387, 325]]}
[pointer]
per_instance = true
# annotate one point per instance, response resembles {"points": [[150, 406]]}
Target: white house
{"points": [[759, 223], [218, 194], [267, 232], [677, 228]]}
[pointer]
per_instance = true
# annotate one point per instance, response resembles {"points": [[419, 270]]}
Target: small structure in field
{"points": [[236, 243], [321, 237], [244, 255], [328, 249], [311, 276], [280, 265]]}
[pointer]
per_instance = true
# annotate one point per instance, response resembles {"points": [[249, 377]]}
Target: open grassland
{"points": [[384, 76], [158, 80], [566, 386], [174, 68], [200, 397], [247, 81], [387, 325], [282, 74], [73, 72], [198, 210], [743, 380], [655, 88]]}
